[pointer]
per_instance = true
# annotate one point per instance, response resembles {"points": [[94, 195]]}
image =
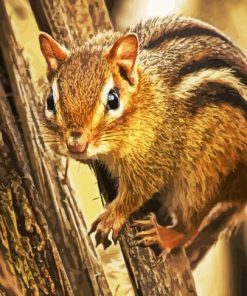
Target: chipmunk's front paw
{"points": [[107, 221]]}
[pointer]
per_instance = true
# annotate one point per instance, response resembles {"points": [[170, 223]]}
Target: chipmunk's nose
{"points": [[75, 134], [76, 143]]}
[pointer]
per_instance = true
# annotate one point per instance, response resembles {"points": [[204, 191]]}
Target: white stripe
{"points": [[55, 91], [192, 82]]}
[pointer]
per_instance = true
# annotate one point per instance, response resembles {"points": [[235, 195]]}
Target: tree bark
{"points": [[29, 259], [71, 21], [40, 214]]}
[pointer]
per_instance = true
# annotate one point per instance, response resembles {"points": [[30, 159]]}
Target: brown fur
{"points": [[174, 133]]}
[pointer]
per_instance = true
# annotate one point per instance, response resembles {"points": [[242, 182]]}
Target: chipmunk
{"points": [[163, 107]]}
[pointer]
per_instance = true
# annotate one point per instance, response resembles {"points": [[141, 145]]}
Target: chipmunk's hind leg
{"points": [[146, 237], [152, 233]]}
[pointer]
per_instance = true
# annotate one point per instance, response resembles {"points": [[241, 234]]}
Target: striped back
{"points": [[195, 55]]}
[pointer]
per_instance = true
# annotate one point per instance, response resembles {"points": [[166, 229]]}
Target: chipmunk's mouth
{"points": [[78, 152], [89, 152], [78, 155]]}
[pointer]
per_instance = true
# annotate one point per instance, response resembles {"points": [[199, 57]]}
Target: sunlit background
{"points": [[212, 276]]}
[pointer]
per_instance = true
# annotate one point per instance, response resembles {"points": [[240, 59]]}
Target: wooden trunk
{"points": [[36, 197]]}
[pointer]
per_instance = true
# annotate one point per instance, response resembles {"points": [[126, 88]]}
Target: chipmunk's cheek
{"points": [[95, 150]]}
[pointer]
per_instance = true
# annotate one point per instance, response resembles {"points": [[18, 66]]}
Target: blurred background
{"points": [[219, 272]]}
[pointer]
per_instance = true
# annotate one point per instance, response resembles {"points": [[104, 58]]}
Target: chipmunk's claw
{"points": [[102, 238], [106, 222], [146, 222], [98, 237], [115, 235], [163, 255], [149, 236], [94, 226], [106, 242]]}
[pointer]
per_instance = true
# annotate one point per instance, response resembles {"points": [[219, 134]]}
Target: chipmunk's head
{"points": [[89, 103]]}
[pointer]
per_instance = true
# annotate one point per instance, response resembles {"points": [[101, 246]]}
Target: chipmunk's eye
{"points": [[113, 99], [50, 104]]}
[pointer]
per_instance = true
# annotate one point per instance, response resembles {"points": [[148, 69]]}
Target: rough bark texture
{"points": [[154, 275], [69, 21], [40, 213], [29, 260]]}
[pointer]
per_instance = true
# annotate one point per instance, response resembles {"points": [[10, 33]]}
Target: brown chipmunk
{"points": [[163, 107]]}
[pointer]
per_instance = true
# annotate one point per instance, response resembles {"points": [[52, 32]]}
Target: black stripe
{"points": [[185, 32], [216, 93], [207, 63]]}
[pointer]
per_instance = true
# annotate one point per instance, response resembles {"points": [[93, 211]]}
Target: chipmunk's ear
{"points": [[124, 53], [53, 52]]}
